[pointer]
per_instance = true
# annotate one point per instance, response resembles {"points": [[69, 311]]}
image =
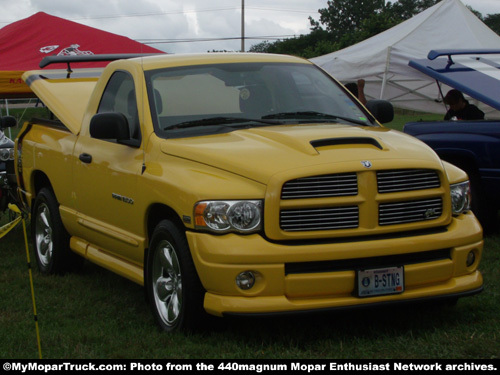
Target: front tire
{"points": [[172, 284]]}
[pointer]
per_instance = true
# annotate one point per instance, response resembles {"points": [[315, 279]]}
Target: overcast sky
{"points": [[170, 21]]}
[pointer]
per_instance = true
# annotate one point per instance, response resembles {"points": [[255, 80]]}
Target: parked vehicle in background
{"points": [[6, 160], [240, 184], [473, 146]]}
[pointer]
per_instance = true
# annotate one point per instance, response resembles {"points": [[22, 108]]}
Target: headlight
{"points": [[6, 154], [460, 197], [226, 216]]}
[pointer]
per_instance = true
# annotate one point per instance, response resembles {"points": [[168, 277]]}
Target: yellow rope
{"points": [[16, 209], [8, 227]]}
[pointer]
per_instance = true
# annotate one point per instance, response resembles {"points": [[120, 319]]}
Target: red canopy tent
{"points": [[23, 44]]}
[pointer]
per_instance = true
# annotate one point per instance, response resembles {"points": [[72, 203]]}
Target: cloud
{"points": [[168, 20]]}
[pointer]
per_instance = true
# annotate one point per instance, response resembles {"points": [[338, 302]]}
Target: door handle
{"points": [[85, 158]]}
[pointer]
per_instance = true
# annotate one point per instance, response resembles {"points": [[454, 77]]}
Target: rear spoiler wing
{"points": [[46, 61], [435, 53], [468, 71]]}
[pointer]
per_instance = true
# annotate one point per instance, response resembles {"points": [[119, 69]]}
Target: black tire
{"points": [[50, 239], [172, 285]]}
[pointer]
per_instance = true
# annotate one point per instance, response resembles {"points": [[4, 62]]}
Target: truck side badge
{"points": [[122, 198]]}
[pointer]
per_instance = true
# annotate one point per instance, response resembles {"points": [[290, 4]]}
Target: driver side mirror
{"points": [[7, 122], [382, 110], [109, 125]]}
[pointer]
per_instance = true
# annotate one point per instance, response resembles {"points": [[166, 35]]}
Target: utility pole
{"points": [[242, 25]]}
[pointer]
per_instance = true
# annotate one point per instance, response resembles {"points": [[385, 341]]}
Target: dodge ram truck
{"points": [[240, 184]]}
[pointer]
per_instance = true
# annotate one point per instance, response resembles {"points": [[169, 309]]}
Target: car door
{"points": [[106, 173]]}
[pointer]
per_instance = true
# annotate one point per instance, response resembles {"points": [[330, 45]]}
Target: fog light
{"points": [[471, 258], [245, 280]]}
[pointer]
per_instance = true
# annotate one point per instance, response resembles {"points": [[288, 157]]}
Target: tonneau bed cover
{"points": [[67, 98]]}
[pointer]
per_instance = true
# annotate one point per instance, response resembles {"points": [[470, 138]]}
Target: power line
{"points": [[195, 11], [155, 14], [192, 40], [151, 14], [284, 10]]}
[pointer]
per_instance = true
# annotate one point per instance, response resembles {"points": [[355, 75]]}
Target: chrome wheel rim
{"points": [[43, 235], [167, 283]]}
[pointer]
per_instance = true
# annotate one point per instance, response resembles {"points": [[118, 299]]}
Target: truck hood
{"points": [[260, 153]]}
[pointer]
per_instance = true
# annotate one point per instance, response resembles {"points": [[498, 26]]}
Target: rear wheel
{"points": [[173, 287], [50, 239]]}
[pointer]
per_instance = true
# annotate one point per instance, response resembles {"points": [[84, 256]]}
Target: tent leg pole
{"points": [[442, 96], [7, 112], [387, 65], [384, 80]]}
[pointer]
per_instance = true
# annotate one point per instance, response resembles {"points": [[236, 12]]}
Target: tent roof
{"points": [[382, 60], [24, 43]]}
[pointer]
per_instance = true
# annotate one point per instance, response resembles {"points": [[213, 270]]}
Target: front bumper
{"points": [[219, 259]]}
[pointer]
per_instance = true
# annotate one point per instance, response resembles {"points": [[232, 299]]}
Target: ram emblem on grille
{"points": [[430, 212], [366, 164]]}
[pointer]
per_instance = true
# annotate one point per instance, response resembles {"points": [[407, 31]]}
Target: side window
{"points": [[119, 96]]}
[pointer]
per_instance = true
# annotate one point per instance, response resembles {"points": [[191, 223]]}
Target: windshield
{"points": [[202, 100]]}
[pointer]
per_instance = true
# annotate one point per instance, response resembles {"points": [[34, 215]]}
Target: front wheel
{"points": [[172, 284]]}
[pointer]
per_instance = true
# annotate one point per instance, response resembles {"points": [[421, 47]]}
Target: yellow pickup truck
{"points": [[234, 184]]}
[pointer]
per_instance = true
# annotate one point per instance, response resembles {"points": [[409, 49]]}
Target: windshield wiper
{"points": [[313, 116], [221, 121]]}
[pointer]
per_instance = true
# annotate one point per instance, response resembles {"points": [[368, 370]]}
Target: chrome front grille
{"points": [[345, 194], [406, 180], [334, 185], [320, 219], [410, 212]]}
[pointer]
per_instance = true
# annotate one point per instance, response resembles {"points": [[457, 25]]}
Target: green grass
{"points": [[97, 314]]}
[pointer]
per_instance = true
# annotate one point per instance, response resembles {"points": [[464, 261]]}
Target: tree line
{"points": [[347, 22]]}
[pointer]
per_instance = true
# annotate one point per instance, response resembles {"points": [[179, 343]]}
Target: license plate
{"points": [[380, 281]]}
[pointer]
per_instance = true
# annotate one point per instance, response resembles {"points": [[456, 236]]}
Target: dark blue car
{"points": [[474, 146]]}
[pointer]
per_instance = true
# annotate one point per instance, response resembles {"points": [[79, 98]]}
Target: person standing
{"points": [[358, 90]]}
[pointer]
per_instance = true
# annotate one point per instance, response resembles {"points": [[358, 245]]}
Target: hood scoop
{"points": [[351, 141]]}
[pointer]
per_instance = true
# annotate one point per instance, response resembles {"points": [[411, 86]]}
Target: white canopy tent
{"points": [[382, 60]]}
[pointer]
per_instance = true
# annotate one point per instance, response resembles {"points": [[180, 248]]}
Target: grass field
{"points": [[96, 314]]}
